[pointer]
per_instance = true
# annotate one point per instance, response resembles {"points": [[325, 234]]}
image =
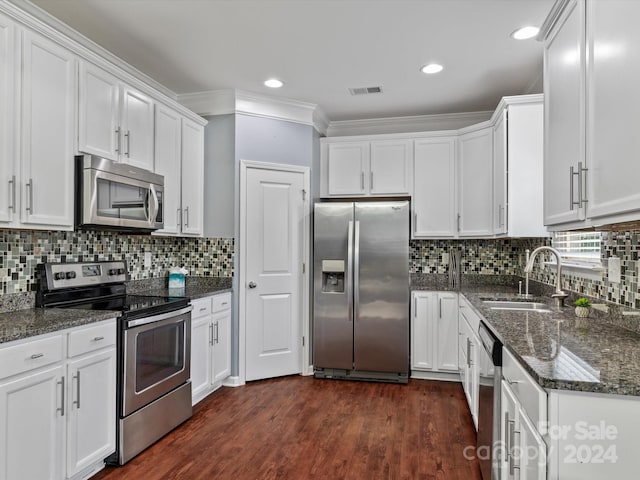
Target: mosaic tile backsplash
{"points": [[22, 250]]}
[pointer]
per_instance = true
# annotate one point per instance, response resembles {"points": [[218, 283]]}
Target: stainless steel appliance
{"points": [[154, 347], [361, 290], [117, 196], [489, 403]]}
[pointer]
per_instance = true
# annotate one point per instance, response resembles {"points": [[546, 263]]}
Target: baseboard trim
{"points": [[445, 377], [232, 382]]}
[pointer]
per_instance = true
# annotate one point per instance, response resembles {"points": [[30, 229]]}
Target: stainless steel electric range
{"points": [[154, 347]]}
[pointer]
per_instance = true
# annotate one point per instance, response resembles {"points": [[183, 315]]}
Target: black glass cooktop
{"points": [[133, 305]]}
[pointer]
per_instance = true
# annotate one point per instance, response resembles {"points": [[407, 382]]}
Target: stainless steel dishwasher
{"points": [[489, 403]]}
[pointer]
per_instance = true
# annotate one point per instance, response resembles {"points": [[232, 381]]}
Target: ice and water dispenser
{"points": [[333, 276]]}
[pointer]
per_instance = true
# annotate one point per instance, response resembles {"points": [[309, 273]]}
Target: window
{"points": [[578, 248]]}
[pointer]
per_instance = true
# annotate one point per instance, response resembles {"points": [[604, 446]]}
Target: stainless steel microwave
{"points": [[117, 196]]}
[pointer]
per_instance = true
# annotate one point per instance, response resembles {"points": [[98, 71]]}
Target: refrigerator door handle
{"points": [[350, 270], [356, 270]]}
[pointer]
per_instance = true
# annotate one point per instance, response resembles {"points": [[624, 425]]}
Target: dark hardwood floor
{"points": [[303, 428]]}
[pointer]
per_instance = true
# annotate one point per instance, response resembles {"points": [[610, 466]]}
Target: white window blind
{"points": [[578, 247]]}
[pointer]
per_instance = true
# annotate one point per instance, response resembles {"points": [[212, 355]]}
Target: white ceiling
{"points": [[320, 48]]}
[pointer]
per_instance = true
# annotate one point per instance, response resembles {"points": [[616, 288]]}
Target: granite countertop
{"points": [[22, 320], [558, 349], [30, 322]]}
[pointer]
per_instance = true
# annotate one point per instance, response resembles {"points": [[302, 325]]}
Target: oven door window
{"points": [[159, 355]]}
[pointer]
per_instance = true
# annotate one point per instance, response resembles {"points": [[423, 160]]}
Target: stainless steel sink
{"points": [[518, 306]]}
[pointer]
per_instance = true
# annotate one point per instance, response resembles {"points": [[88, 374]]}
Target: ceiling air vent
{"points": [[365, 90]]}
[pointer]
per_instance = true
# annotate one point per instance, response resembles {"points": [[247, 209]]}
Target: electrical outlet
{"points": [[613, 270], [147, 259]]}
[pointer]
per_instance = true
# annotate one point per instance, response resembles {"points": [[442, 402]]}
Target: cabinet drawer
{"points": [[221, 302], [92, 338], [30, 355], [201, 307], [531, 396]]}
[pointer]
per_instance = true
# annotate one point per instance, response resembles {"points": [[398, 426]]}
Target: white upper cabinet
{"points": [[475, 177], [192, 177], [367, 168], [115, 120], [434, 182], [591, 168], [518, 168], [613, 74], [7, 122], [390, 167], [564, 58], [169, 164], [48, 128]]}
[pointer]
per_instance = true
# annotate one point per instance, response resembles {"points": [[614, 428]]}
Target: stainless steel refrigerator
{"points": [[361, 290]]}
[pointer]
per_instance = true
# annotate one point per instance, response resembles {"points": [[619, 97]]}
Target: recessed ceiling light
{"points": [[525, 33], [274, 83], [432, 68]]}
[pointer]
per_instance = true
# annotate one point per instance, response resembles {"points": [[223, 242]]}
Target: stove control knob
{"points": [[121, 271], [71, 275], [113, 271], [59, 276]]}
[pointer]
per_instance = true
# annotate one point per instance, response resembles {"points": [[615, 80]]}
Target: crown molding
{"points": [[516, 100], [223, 102], [419, 123]]}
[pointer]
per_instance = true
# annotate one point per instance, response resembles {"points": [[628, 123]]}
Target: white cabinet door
{"points": [[422, 331], [533, 459], [192, 177], [475, 179], [169, 164], [137, 128], [48, 106], [221, 346], [509, 426], [434, 177], [347, 165], [390, 167], [8, 185], [201, 361], [98, 128], [32, 426], [91, 433], [447, 332], [613, 73], [500, 175], [564, 136]]}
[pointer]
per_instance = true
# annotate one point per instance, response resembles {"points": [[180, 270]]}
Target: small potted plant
{"points": [[583, 306]]}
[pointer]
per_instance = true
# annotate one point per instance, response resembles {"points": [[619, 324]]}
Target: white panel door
{"points": [[422, 331], [533, 461], [564, 116], [98, 131], [509, 428], [475, 182], [137, 129], [274, 232], [48, 128], [434, 180], [446, 314], [168, 163], [613, 73], [390, 167], [347, 168], [500, 162], [192, 177], [201, 360], [32, 426], [8, 185], [91, 432], [221, 346]]}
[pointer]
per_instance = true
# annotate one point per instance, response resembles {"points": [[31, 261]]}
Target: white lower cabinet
{"points": [[210, 344], [468, 356], [58, 403], [434, 332]]}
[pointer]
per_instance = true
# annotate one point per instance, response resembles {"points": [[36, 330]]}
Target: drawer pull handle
{"points": [[512, 382], [37, 355], [203, 309], [97, 339], [223, 303]]}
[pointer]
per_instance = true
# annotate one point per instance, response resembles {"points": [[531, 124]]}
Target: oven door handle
{"points": [[158, 318]]}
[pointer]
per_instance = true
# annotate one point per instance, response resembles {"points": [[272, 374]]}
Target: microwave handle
{"points": [[153, 213]]}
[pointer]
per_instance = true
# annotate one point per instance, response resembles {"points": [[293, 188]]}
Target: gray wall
{"points": [[219, 175]]}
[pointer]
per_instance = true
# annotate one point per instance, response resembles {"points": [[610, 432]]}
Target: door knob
{"points": [[252, 285]]}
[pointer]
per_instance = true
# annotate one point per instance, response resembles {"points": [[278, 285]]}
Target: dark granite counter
{"points": [[30, 322], [559, 350], [195, 287]]}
